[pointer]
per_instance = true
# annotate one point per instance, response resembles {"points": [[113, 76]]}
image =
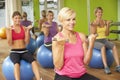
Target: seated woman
{"points": [[18, 37], [101, 27], [70, 50], [25, 22], [50, 29]]}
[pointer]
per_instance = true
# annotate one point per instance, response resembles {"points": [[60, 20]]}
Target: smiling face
{"points": [[16, 17], [98, 12], [69, 23], [67, 18], [50, 15]]}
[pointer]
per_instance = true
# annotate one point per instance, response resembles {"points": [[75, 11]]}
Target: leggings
{"points": [[84, 77]]}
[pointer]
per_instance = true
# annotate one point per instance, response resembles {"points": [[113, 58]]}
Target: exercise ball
{"points": [[40, 40], [32, 46], [26, 72], [96, 60], [44, 57], [3, 33]]}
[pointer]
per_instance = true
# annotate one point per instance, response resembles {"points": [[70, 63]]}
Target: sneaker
{"points": [[107, 70], [118, 68]]}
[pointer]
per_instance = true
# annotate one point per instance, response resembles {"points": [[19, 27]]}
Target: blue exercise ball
{"points": [[26, 72], [44, 57], [96, 60], [40, 40], [32, 46]]}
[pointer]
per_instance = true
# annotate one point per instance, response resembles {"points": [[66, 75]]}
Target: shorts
{"points": [[16, 55], [84, 77], [99, 43], [48, 45]]}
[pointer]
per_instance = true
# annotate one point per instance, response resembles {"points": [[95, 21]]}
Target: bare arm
{"points": [[88, 49], [58, 53], [93, 28], [107, 27], [27, 34], [9, 35]]}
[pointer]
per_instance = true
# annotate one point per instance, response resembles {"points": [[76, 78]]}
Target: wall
{"points": [[119, 15], [80, 6]]}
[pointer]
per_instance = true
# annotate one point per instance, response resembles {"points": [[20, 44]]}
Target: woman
{"points": [[70, 50], [49, 29], [18, 37], [101, 27], [43, 19], [25, 22]]}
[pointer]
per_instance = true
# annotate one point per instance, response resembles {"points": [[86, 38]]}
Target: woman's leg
{"points": [[103, 53], [36, 70], [115, 55], [29, 57], [110, 45], [17, 71], [104, 59], [15, 58], [101, 46]]}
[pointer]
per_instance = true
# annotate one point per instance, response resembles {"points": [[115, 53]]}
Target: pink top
{"points": [[73, 59], [17, 36]]}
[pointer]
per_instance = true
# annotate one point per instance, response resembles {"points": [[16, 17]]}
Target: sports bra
{"points": [[20, 35]]}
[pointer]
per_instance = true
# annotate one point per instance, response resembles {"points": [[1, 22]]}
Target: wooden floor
{"points": [[48, 74]]}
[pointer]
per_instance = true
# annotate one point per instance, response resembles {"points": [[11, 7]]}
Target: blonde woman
{"points": [[70, 50], [101, 27]]}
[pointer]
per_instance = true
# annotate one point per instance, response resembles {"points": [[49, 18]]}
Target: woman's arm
{"points": [[88, 49], [58, 52], [27, 34], [107, 27], [9, 35], [93, 28]]}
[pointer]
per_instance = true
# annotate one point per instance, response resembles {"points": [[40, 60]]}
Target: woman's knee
{"points": [[103, 48], [114, 48]]}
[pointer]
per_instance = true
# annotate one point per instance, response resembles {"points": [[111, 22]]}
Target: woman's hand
{"points": [[46, 25], [29, 27], [9, 28], [108, 22], [92, 37], [60, 41]]}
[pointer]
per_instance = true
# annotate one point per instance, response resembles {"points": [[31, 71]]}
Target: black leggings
{"points": [[84, 77], [48, 45], [16, 57]]}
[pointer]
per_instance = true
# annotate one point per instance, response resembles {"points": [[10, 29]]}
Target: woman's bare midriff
{"points": [[18, 44]]}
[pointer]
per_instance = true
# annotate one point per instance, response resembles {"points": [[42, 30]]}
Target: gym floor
{"points": [[48, 74]]}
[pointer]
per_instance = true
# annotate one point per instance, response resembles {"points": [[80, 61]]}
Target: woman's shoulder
{"points": [[93, 23], [82, 36], [80, 33]]}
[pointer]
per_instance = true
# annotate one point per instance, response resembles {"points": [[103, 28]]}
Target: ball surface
{"points": [[44, 57], [96, 60], [26, 72]]}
